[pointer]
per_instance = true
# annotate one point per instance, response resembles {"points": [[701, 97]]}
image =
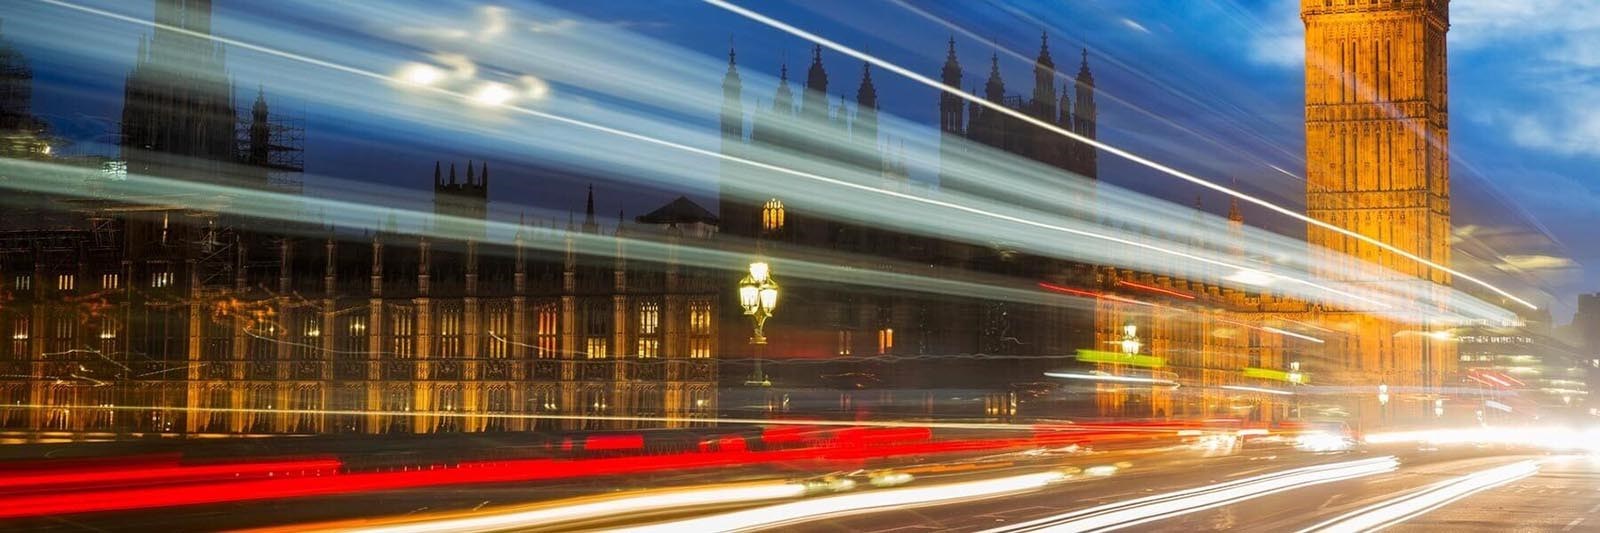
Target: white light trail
{"points": [[1262, 390], [793, 30], [1251, 277], [1552, 438], [791, 513], [592, 508], [1394, 511], [1107, 377], [1163, 506], [1281, 331]]}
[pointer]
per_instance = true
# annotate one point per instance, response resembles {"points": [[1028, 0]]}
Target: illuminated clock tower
{"points": [[1377, 163]]}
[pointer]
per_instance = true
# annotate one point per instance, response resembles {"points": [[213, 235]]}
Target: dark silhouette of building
{"points": [[22, 135]]}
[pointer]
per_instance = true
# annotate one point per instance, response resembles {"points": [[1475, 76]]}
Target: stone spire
{"points": [[995, 89]]}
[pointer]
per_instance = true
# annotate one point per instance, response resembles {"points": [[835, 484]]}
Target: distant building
{"points": [[22, 134], [1587, 321]]}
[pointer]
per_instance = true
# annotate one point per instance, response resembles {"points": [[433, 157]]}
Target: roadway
{"points": [[1562, 496]]}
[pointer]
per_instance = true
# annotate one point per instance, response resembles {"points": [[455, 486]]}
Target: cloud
{"points": [[1281, 39], [1548, 50], [1476, 23], [1135, 25]]}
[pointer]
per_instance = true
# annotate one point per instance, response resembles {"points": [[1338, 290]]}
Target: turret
{"points": [[995, 89], [1044, 81], [950, 104]]}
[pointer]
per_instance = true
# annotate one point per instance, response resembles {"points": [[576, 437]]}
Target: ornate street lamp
{"points": [[1130, 339], [758, 296]]}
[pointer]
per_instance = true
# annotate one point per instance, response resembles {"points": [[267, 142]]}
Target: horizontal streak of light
{"points": [[714, 154], [1394, 511], [582, 509], [1089, 294], [1262, 390], [1155, 289], [664, 419], [1292, 334], [1114, 379], [1160, 507], [790, 29], [167, 472], [790, 513]]}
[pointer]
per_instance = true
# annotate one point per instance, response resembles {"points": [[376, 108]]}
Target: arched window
{"points": [[772, 215], [649, 329]]}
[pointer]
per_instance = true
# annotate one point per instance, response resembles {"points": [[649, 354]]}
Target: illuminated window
{"points": [[700, 329], [110, 281], [596, 348], [449, 339], [548, 331], [846, 339], [353, 342], [20, 334], [66, 282], [700, 401], [308, 336], [546, 400], [772, 215], [160, 279], [597, 330], [24, 282], [108, 335], [402, 331], [649, 329], [497, 327], [649, 318], [885, 340]]}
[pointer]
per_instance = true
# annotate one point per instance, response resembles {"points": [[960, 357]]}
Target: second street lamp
{"points": [[758, 296]]}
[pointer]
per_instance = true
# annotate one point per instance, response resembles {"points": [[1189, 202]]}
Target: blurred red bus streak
{"points": [[167, 471], [480, 472]]}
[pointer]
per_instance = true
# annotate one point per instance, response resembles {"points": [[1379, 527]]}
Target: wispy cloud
{"points": [[1280, 41]]}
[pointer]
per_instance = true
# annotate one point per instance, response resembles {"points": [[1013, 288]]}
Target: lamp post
{"points": [[1383, 402], [1130, 339], [1296, 378], [758, 296], [1130, 347]]}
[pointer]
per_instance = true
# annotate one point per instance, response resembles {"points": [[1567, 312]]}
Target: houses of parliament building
{"points": [[182, 321]]}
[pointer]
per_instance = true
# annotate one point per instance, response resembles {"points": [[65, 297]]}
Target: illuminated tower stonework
{"points": [[1377, 163]]}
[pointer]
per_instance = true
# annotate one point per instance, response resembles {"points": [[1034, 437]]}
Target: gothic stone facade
{"points": [[321, 332]]}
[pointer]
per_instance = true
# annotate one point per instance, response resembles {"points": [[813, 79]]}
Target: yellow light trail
{"points": [[793, 30]]}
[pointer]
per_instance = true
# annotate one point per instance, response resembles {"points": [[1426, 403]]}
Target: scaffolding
{"points": [[275, 144]]}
